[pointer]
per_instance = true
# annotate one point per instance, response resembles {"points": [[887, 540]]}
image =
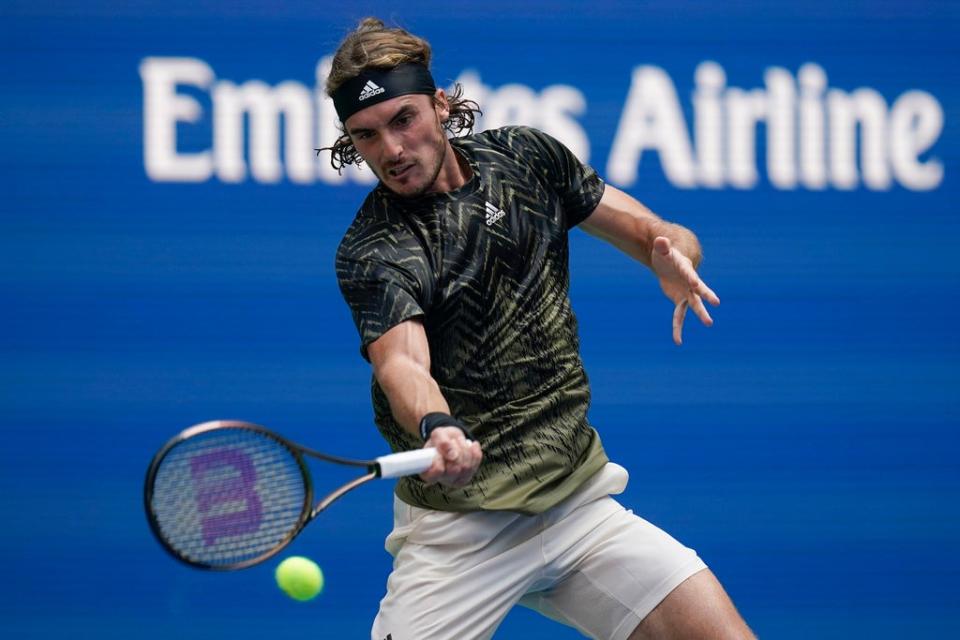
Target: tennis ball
{"points": [[300, 578]]}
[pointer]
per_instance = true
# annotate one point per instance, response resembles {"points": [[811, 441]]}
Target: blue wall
{"points": [[805, 445]]}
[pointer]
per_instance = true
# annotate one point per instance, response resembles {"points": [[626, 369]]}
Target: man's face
{"points": [[402, 140]]}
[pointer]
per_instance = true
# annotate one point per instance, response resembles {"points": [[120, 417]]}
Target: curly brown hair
{"points": [[372, 45]]}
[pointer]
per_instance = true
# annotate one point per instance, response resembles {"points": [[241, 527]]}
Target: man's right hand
{"points": [[457, 458]]}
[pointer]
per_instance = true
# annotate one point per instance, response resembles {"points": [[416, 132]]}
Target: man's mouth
{"points": [[400, 171]]}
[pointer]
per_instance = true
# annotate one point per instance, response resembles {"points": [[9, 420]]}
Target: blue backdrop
{"points": [[166, 250]]}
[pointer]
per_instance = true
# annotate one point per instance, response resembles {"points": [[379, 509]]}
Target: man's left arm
{"points": [[671, 251]]}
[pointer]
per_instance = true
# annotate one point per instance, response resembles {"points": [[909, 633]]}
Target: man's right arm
{"points": [[401, 364]]}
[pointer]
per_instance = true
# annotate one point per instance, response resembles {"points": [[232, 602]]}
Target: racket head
{"points": [[227, 494]]}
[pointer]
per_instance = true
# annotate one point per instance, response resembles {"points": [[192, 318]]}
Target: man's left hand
{"points": [[680, 282]]}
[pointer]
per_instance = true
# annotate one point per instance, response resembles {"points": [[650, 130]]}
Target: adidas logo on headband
{"points": [[370, 89]]}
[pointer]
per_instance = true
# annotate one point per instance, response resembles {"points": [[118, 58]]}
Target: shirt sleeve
{"points": [[577, 184], [381, 294]]}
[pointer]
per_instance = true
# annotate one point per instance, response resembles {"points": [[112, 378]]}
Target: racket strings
{"points": [[228, 497]]}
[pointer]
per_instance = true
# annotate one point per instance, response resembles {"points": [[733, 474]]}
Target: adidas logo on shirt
{"points": [[493, 214], [370, 89]]}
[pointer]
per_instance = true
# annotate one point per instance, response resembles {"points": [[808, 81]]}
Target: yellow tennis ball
{"points": [[300, 578]]}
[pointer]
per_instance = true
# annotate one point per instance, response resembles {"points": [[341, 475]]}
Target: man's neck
{"points": [[454, 172]]}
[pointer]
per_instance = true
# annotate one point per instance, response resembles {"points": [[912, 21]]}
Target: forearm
{"points": [[411, 390], [628, 225], [401, 364]]}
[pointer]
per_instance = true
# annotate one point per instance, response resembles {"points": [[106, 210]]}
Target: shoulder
{"points": [[382, 235], [376, 226], [525, 146], [524, 149], [514, 138]]}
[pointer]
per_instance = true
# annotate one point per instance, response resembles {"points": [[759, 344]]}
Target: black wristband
{"points": [[437, 419]]}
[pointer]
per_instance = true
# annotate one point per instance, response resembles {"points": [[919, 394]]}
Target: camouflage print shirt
{"points": [[486, 269]]}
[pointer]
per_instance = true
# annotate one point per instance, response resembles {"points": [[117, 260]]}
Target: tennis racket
{"points": [[228, 494]]}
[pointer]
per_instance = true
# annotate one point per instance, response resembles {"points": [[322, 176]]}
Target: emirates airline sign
{"points": [[793, 131]]}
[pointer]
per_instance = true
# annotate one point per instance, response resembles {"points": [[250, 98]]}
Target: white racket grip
{"points": [[406, 463]]}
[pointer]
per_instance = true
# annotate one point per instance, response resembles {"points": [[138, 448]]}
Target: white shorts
{"points": [[587, 563]]}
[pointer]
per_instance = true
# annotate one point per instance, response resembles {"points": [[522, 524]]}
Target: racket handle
{"points": [[406, 463]]}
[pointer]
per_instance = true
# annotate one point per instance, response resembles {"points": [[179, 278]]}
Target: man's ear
{"points": [[442, 105]]}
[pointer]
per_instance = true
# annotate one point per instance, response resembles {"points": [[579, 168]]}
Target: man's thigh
{"points": [[463, 582], [698, 608], [609, 580]]}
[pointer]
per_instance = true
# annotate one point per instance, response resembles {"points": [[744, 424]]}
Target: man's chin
{"points": [[406, 189]]}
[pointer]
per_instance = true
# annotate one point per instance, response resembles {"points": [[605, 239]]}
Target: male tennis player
{"points": [[456, 271]]}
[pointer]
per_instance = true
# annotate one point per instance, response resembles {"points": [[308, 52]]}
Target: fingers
{"points": [[436, 469], [661, 245], [701, 289], [679, 313], [457, 458], [682, 264], [468, 463], [696, 303], [456, 461], [676, 268], [697, 286]]}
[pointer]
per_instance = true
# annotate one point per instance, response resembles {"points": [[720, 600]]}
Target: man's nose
{"points": [[392, 147]]}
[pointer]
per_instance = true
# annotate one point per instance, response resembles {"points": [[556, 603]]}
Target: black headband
{"points": [[376, 85]]}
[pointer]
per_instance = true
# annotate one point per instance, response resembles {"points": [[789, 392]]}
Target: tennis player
{"points": [[456, 272]]}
